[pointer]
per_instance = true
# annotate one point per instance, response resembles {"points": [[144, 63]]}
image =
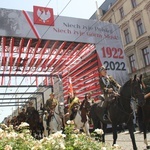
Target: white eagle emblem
{"points": [[43, 15]]}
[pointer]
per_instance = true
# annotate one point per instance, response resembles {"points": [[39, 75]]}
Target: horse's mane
{"points": [[56, 109], [148, 100], [127, 83], [57, 106]]}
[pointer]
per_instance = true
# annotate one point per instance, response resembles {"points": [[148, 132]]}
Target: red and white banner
{"points": [[43, 16], [111, 55]]}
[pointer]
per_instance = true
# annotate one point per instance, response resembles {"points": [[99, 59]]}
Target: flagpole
{"points": [[70, 85]]}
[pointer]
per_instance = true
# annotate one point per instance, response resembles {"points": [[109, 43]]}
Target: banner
{"points": [[105, 35], [111, 55]]}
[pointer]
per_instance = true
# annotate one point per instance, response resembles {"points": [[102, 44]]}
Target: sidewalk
{"points": [[124, 140]]}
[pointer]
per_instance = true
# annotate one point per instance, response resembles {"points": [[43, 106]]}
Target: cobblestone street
{"points": [[125, 142]]}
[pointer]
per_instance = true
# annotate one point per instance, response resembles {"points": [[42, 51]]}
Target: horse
{"points": [[81, 119], [45, 117], [21, 118], [146, 118], [33, 120], [145, 114], [56, 122], [119, 110]]}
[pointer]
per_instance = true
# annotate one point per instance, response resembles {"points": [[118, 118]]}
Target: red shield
{"points": [[43, 16]]}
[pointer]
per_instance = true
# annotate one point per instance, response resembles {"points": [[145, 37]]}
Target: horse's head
{"points": [[61, 108], [137, 90], [133, 89]]}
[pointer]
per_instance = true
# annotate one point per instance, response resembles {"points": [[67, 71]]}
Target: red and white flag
{"points": [[43, 16], [70, 87]]}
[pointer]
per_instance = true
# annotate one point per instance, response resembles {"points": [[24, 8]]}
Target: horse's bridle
{"points": [[133, 97], [123, 110], [136, 92]]}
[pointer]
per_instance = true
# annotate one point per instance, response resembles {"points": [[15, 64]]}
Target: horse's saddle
{"points": [[108, 102]]}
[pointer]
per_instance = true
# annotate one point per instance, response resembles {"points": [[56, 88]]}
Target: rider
{"points": [[29, 110], [83, 109], [74, 101], [22, 116], [50, 106], [146, 89], [90, 99], [110, 88]]}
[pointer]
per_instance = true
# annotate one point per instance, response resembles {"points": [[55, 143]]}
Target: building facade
{"points": [[133, 18]]}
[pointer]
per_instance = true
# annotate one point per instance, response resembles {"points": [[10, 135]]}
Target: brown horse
{"points": [[120, 110], [21, 117]]}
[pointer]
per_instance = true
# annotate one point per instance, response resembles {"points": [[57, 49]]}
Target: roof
{"points": [[28, 64], [104, 7]]}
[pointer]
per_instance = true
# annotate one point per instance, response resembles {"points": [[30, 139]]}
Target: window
{"points": [[139, 27], [127, 36], [121, 12], [147, 8], [133, 3], [146, 56], [148, 12], [132, 63]]}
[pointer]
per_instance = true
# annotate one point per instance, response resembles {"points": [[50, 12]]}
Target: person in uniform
{"points": [[83, 108], [30, 109], [109, 86], [74, 102], [90, 99], [22, 116], [50, 106]]}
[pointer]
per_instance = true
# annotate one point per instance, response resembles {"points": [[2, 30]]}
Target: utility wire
{"points": [[56, 17]]}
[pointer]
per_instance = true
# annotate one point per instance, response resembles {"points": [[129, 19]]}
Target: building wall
{"points": [[137, 42]]}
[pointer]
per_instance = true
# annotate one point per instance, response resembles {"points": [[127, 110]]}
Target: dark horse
{"points": [[145, 110], [33, 119], [119, 111]]}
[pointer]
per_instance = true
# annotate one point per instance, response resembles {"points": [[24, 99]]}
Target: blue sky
{"points": [[71, 8]]}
